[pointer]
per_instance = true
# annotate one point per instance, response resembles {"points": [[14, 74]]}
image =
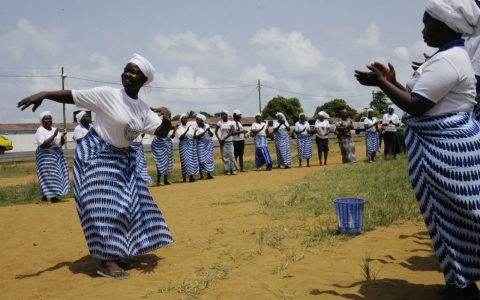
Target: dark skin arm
{"points": [[162, 130], [174, 130], [63, 96], [258, 130], [184, 134], [400, 97], [48, 142]]}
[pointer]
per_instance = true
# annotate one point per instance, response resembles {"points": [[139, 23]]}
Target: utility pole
{"points": [[373, 96], [64, 113], [259, 98]]}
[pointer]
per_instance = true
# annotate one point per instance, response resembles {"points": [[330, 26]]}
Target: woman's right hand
{"points": [[387, 73], [35, 100]]}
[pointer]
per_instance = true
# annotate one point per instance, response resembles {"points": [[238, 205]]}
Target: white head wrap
{"points": [[299, 115], [183, 115], [43, 114], [391, 106], [225, 111], [324, 114], [202, 117], [146, 68], [280, 114], [370, 110], [237, 112], [461, 16], [258, 114], [80, 115]]}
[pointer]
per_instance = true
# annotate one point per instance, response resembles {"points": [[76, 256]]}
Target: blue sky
{"points": [[208, 55]]}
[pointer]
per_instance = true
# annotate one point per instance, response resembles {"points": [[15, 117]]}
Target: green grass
{"points": [[24, 194]]}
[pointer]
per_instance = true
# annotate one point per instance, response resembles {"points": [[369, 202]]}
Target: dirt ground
{"points": [[45, 255]]}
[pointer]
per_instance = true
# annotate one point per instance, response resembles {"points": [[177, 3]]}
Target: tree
{"points": [[334, 107], [191, 114], [380, 103], [217, 115], [176, 118], [290, 107]]}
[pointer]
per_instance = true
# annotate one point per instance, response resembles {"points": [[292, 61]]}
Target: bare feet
{"points": [[167, 183]]}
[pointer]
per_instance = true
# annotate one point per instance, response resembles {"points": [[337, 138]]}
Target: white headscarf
{"points": [[324, 114], [183, 115], [225, 111], [202, 117], [146, 68], [43, 114], [280, 114], [258, 114], [237, 112], [80, 115], [301, 115], [370, 110], [461, 16], [391, 106]]}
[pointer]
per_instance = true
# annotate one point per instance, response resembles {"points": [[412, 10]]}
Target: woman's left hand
{"points": [[163, 111], [369, 78]]}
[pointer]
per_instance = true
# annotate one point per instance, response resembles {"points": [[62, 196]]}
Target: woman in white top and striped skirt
{"points": [[187, 149], [281, 128]]}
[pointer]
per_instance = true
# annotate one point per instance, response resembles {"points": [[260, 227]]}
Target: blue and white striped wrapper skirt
{"points": [[282, 148], [188, 156], [162, 152], [117, 213], [142, 161], [205, 155], [371, 142], [304, 146], [52, 171], [444, 169], [262, 155]]}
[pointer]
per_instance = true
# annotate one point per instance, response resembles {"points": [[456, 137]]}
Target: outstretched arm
{"points": [[62, 96]]}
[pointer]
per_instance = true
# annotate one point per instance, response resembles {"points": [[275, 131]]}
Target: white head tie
{"points": [[146, 68], [80, 115], [369, 110], [461, 16], [324, 114], [201, 117], [258, 115], [225, 111], [391, 106], [301, 115], [280, 114], [237, 112], [43, 114], [183, 115]]}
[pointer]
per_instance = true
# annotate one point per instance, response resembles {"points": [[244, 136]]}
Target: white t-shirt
{"points": [[119, 119], [369, 122], [301, 127], [42, 134], [282, 128], [322, 127], [241, 136], [225, 129], [257, 126], [181, 130], [474, 53], [446, 82], [200, 130], [79, 132], [386, 122]]}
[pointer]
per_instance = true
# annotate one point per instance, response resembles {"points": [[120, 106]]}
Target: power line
{"points": [[311, 94], [28, 76]]}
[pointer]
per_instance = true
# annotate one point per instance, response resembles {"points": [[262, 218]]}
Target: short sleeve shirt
{"points": [[225, 129], [282, 128], [42, 134], [181, 130], [79, 132], [386, 122], [445, 82], [201, 130], [322, 127], [238, 126], [257, 126], [119, 119], [301, 127], [369, 122]]}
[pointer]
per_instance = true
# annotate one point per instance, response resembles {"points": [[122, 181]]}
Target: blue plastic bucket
{"points": [[349, 215]]}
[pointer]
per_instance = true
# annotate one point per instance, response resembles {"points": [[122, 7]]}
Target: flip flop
{"points": [[113, 272]]}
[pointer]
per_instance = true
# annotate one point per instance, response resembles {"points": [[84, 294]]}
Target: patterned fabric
{"points": [[371, 142], [282, 148], [347, 147], [52, 171], [188, 156], [162, 152], [476, 108], [304, 146], [444, 170], [205, 155], [228, 157], [118, 216], [142, 161], [262, 155]]}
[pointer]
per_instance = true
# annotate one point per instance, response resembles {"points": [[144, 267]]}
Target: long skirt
{"points": [[162, 152], [347, 148], [52, 171], [228, 157], [205, 155], [282, 148], [371, 142], [142, 161], [117, 213], [262, 155], [188, 156], [392, 145], [444, 170], [304, 146]]}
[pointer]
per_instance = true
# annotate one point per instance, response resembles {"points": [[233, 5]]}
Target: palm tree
{"points": [[191, 114]]}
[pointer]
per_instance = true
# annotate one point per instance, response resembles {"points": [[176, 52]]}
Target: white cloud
{"points": [[370, 39], [403, 53], [252, 74], [25, 36], [189, 48]]}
